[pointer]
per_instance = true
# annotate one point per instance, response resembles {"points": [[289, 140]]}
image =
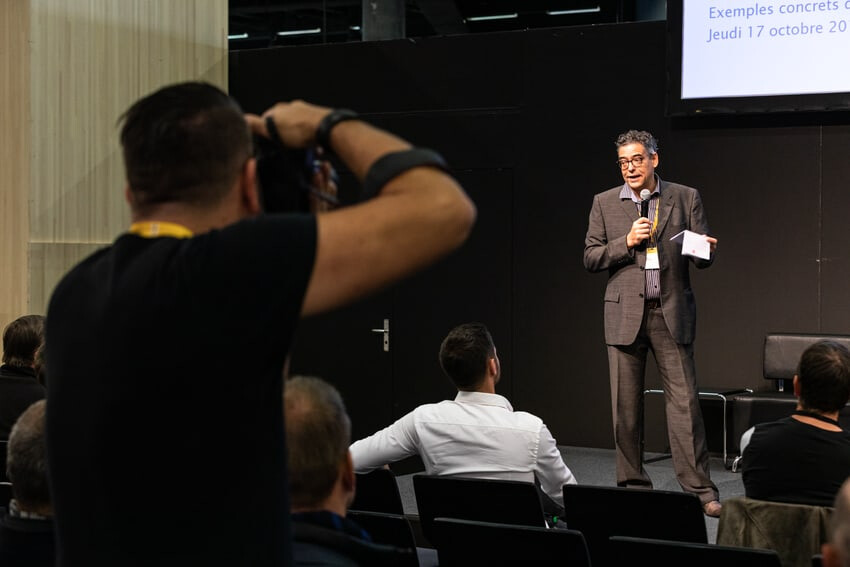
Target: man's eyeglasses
{"points": [[637, 161]]}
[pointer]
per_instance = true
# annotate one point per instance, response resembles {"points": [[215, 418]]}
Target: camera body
{"points": [[284, 176]]}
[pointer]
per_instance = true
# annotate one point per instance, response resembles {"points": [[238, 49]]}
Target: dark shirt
{"points": [[327, 539], [331, 521], [26, 542], [791, 461], [19, 388], [166, 378]]}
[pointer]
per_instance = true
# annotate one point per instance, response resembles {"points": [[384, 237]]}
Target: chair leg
{"points": [[736, 463]]}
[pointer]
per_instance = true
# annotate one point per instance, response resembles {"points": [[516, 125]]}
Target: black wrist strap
{"points": [[274, 135], [394, 164], [323, 132]]}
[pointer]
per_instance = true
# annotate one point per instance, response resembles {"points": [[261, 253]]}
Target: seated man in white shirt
{"points": [[478, 434]]}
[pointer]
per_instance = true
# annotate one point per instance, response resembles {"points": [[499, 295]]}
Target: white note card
{"points": [[693, 244]]}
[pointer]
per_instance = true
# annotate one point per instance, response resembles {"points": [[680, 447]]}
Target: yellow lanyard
{"points": [[654, 229], [153, 229]]}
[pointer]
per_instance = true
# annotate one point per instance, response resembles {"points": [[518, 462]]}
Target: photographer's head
{"points": [[186, 143]]}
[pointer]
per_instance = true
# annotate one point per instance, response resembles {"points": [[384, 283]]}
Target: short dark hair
{"points": [[21, 339], [183, 143], [318, 434], [824, 376], [464, 354], [638, 137], [26, 459]]}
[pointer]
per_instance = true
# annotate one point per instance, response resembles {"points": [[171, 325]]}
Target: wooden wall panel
{"points": [[48, 263], [14, 157], [90, 59]]}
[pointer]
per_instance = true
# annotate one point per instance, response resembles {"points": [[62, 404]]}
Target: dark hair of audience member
{"points": [[184, 143], [26, 460], [464, 354], [318, 433], [824, 376], [21, 339]]}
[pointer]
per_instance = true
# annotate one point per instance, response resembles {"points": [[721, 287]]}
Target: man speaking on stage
{"points": [[649, 305]]}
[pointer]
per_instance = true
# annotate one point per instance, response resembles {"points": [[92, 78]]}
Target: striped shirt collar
{"points": [[627, 193]]}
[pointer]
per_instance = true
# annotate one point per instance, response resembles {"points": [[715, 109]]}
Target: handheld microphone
{"points": [[644, 211], [644, 202]]}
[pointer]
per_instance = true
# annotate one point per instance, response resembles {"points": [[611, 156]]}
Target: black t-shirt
{"points": [[19, 388], [165, 417], [791, 461]]}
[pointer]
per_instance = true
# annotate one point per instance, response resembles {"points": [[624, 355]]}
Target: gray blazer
{"points": [[605, 248]]}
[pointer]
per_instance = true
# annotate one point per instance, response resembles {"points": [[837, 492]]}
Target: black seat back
{"points": [[782, 352], [645, 551], [377, 491], [469, 543], [600, 512], [390, 529], [499, 501]]}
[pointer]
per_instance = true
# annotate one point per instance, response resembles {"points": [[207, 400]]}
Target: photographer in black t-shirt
{"points": [[166, 349]]}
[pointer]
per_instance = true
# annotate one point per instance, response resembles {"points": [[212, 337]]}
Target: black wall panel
{"points": [[834, 307], [473, 284], [528, 120], [760, 191], [399, 76]]}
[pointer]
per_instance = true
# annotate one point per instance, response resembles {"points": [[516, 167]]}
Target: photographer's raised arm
{"points": [[417, 217]]}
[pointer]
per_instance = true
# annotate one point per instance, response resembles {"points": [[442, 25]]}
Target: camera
{"points": [[284, 175]]}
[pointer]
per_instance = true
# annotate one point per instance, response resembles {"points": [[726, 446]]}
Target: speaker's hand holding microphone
{"points": [[641, 228]]}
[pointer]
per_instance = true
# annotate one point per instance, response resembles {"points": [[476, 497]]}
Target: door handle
{"points": [[386, 333]]}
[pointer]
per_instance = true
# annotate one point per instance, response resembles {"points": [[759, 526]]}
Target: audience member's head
{"points": [[26, 462], [823, 377], [21, 340], [468, 355], [318, 433], [184, 143], [836, 551], [40, 365]]}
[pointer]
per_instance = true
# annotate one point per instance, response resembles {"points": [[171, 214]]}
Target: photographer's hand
{"points": [[296, 122]]}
